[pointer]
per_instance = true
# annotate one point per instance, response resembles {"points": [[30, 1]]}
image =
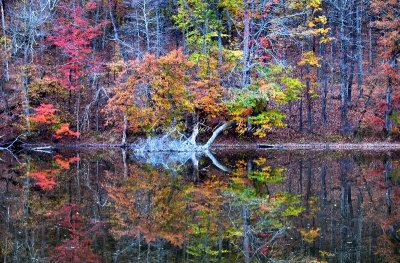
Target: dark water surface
{"points": [[267, 206]]}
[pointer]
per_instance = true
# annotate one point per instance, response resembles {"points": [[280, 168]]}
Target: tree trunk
{"points": [[389, 90], [25, 80], [217, 132], [371, 45], [345, 125], [192, 139], [308, 92], [301, 114], [360, 73], [4, 96], [97, 106], [158, 34], [333, 52], [220, 39], [353, 51], [388, 111], [138, 43], [77, 110], [324, 81], [146, 26], [124, 54], [124, 129], [3, 26], [246, 46], [301, 105]]}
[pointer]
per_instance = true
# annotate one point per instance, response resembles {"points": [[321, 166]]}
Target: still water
{"points": [[259, 206]]}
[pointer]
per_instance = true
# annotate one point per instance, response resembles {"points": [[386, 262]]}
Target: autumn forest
{"points": [[111, 71]]}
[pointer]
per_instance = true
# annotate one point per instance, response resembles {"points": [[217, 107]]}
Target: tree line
{"points": [[84, 68]]}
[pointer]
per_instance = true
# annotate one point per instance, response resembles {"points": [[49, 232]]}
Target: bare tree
{"points": [[143, 31], [27, 21]]}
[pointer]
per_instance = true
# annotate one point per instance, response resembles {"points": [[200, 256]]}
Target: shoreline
{"points": [[244, 146]]}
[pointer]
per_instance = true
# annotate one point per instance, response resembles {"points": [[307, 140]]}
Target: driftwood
{"points": [[174, 141], [17, 144], [169, 151]]}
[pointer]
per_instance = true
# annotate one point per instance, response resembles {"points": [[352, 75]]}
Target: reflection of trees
{"points": [[161, 208], [77, 246], [280, 206], [173, 160], [31, 232], [208, 219]]}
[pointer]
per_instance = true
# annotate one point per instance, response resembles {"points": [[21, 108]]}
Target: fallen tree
{"points": [[175, 149], [174, 141], [18, 144]]}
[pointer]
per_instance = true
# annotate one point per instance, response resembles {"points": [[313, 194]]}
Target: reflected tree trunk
{"points": [[246, 232], [388, 170], [301, 176], [220, 235], [125, 163], [345, 206], [195, 163], [309, 182], [359, 225], [323, 209]]}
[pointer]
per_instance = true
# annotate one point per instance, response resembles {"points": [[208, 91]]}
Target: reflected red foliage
{"points": [[45, 179], [65, 163], [78, 247]]}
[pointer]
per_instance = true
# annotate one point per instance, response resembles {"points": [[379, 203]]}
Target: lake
{"points": [[95, 205]]}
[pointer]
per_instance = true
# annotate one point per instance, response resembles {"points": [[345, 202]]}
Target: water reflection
{"points": [[104, 206]]}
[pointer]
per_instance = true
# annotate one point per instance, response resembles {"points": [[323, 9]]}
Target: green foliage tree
{"points": [[257, 105]]}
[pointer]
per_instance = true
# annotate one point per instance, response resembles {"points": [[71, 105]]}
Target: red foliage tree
{"points": [[73, 34]]}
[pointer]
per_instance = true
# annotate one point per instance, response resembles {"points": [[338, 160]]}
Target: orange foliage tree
{"points": [[45, 118], [160, 94]]}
